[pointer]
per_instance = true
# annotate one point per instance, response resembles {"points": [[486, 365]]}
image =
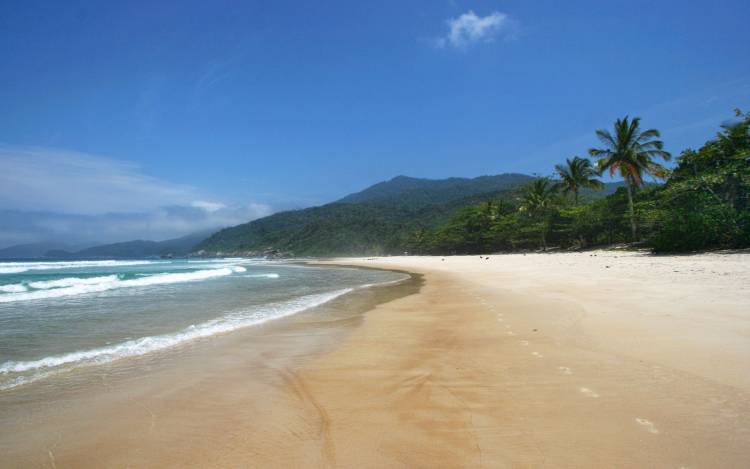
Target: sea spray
{"points": [[231, 322], [154, 305], [20, 267], [71, 287]]}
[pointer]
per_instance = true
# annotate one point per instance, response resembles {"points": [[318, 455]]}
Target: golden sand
{"points": [[562, 360]]}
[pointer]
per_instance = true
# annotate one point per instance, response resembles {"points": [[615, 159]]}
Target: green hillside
{"points": [[380, 219], [415, 191], [138, 248]]}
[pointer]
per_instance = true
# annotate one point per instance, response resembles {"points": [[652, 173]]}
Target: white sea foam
{"points": [[382, 284], [13, 288], [80, 286], [18, 267], [72, 282], [261, 276], [37, 369]]}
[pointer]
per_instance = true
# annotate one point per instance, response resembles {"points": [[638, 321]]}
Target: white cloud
{"points": [[208, 206], [43, 179], [469, 28], [20, 227], [48, 194]]}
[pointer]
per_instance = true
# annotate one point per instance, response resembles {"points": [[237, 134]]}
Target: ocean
{"points": [[59, 316]]}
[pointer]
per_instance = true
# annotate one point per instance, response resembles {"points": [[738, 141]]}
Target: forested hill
{"points": [[702, 204], [380, 219], [134, 249], [376, 220], [430, 191]]}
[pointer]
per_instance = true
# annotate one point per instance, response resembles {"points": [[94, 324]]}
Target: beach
{"points": [[600, 359], [592, 359]]}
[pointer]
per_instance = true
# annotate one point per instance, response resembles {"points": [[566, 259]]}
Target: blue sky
{"points": [[231, 110]]}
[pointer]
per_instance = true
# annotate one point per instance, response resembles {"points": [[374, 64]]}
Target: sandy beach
{"points": [[596, 359], [599, 359], [247, 235]]}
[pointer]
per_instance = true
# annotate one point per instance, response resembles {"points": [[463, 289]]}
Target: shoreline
{"points": [[174, 407], [517, 360], [532, 360]]}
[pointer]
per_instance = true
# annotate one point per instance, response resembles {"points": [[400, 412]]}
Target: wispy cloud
{"points": [[20, 227], [47, 179], [49, 194], [470, 28], [208, 206]]}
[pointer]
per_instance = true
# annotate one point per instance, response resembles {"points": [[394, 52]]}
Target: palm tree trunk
{"points": [[544, 236], [633, 227]]}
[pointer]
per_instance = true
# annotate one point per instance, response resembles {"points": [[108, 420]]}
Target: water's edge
{"points": [[338, 308]]}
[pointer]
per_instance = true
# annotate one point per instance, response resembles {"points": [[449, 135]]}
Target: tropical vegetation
{"points": [[700, 203], [630, 152], [576, 174]]}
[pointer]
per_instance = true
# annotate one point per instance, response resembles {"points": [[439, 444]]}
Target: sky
{"points": [[125, 120]]}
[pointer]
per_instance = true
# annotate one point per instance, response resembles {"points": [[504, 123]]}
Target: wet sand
{"points": [[562, 360], [218, 402]]}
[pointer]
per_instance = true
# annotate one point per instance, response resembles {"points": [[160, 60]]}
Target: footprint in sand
{"points": [[524, 342], [565, 370], [500, 319], [511, 333], [537, 354], [648, 425], [588, 392]]}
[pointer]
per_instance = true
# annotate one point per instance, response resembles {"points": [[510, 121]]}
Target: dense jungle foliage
{"points": [[703, 203], [700, 204]]}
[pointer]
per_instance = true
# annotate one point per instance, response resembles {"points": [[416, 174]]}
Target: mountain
{"points": [[426, 191], [34, 250], [138, 248], [376, 220]]}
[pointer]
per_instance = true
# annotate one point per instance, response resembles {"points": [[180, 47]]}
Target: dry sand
{"points": [[599, 359]]}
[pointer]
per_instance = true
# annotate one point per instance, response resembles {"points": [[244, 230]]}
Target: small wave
{"points": [[261, 276], [71, 282], [19, 267], [72, 287], [223, 260], [49, 365], [13, 288], [382, 284]]}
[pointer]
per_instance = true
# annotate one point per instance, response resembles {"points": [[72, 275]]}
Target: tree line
{"points": [[699, 204]]}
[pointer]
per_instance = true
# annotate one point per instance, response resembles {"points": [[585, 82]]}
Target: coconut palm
{"points": [[631, 152], [577, 174], [538, 199]]}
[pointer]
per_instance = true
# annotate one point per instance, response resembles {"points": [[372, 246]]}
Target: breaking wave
{"points": [[19, 267], [29, 371], [78, 286]]}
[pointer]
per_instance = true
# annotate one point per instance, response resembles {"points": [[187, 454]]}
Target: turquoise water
{"points": [[58, 316]]}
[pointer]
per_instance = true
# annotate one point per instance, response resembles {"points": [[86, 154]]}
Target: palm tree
{"points": [[630, 152], [538, 199], [577, 174]]}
